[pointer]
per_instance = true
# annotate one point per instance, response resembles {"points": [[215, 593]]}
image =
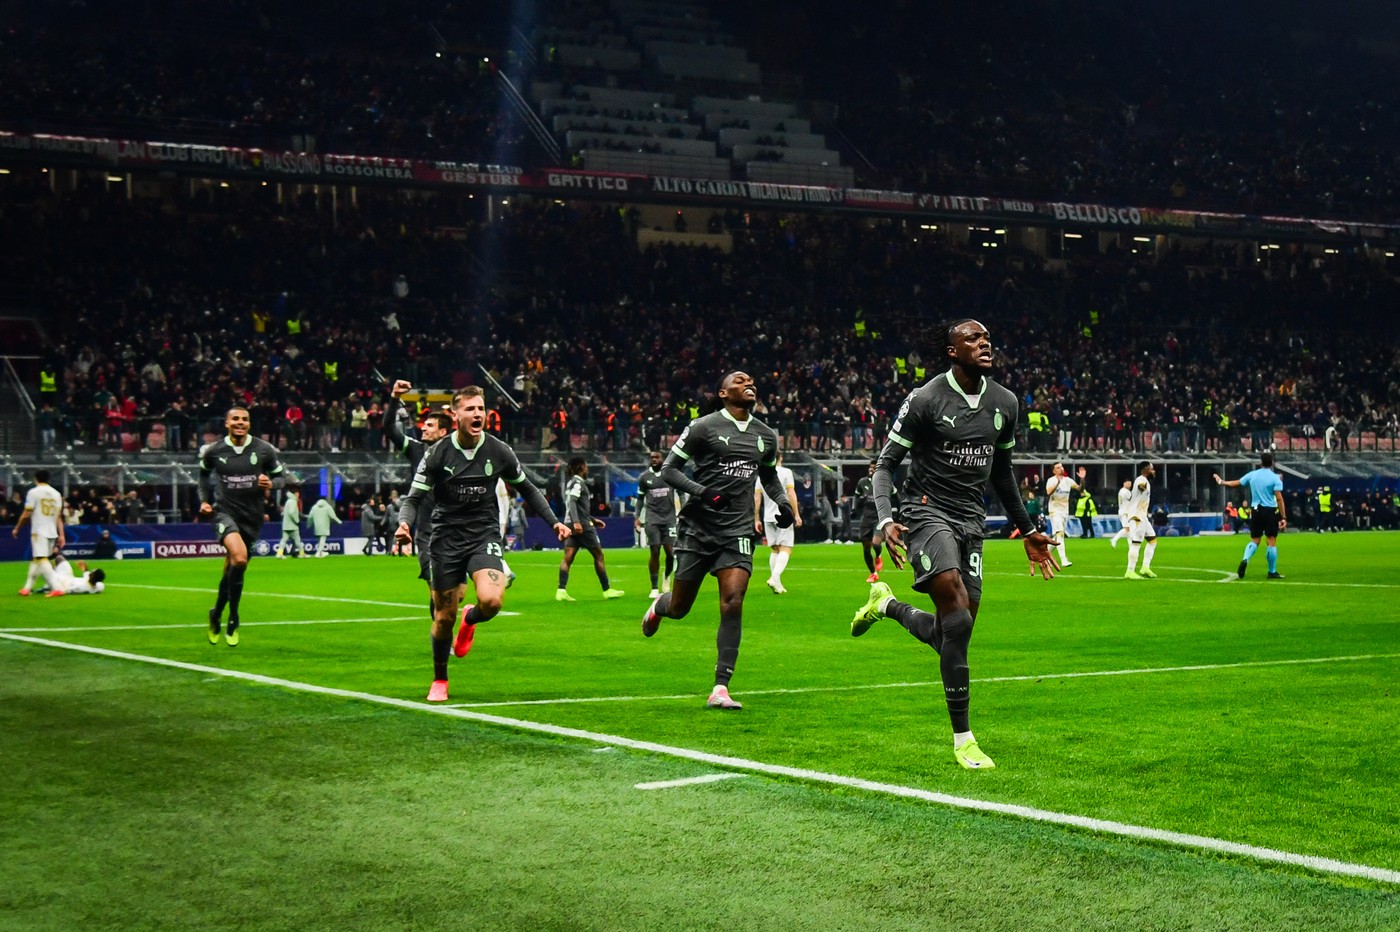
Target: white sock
{"points": [[780, 562], [46, 570], [1063, 559], [772, 564], [33, 574], [884, 604], [1133, 555], [505, 567], [1147, 554], [961, 737]]}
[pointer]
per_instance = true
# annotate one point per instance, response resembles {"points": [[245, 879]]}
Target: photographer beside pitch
{"points": [[1268, 517]]}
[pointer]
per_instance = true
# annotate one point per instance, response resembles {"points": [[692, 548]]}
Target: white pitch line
{"points": [[201, 625], [1024, 678], [1104, 826], [690, 781]]}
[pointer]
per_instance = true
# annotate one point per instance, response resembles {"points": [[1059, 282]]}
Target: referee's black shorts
{"points": [[1263, 522]]}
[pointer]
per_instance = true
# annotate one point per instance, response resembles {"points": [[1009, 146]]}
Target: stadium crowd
{"points": [[182, 307]]}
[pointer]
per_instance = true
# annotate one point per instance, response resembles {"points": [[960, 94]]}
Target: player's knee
{"points": [[957, 626], [488, 606], [238, 561], [731, 603]]}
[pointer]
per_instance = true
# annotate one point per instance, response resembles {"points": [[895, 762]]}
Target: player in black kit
{"points": [[234, 475], [959, 428], [461, 471], [436, 425], [725, 448]]}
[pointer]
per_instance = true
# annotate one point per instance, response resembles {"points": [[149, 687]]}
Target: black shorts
{"points": [[585, 540], [1263, 522], [867, 529], [936, 546], [661, 534], [423, 548], [226, 524], [454, 556], [697, 557]]}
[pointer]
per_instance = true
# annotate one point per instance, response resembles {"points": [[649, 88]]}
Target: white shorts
{"points": [[1057, 524], [1139, 531], [779, 536], [42, 547]]}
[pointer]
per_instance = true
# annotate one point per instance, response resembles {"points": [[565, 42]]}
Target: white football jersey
{"points": [[45, 507], [503, 503], [1124, 497], [1058, 489], [770, 507], [1140, 499]]}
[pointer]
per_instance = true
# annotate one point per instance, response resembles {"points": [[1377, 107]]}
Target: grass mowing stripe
{"points": [[295, 595], [244, 624], [1028, 678], [1135, 832], [690, 781]]}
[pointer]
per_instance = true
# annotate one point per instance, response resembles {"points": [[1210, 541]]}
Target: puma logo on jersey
{"points": [[222, 459], [725, 439], [950, 420]]}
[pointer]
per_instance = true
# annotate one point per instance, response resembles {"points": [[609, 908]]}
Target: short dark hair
{"points": [[946, 328], [1145, 464], [97, 575], [575, 464], [1266, 460], [41, 475], [444, 420]]}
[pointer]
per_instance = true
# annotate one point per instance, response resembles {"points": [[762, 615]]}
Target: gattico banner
{"points": [[268, 164]]}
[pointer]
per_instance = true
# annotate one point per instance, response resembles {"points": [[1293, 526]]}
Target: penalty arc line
{"points": [[1102, 826]]}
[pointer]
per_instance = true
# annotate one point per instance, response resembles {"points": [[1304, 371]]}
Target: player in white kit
{"points": [[765, 517], [1125, 495], [1057, 489], [1140, 529], [43, 512]]}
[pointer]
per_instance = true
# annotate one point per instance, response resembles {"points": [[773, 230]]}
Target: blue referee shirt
{"points": [[1262, 484]]}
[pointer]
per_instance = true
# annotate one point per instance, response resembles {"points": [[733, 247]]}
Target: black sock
{"points": [[235, 591], [957, 634], [670, 564], [563, 579], [923, 625], [663, 605], [653, 579], [222, 600], [603, 578], [869, 558], [727, 645], [473, 615], [441, 650]]}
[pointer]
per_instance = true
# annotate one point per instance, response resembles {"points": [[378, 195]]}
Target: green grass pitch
{"points": [[1237, 742]]}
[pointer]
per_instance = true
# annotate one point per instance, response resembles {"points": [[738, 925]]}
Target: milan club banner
{"points": [[316, 168]]}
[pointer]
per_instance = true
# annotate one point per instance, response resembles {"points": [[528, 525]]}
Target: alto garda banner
{"points": [[331, 168]]}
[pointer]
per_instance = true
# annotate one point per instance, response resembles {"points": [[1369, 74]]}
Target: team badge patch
{"points": [[760, 444], [253, 458], [489, 468], [925, 562], [997, 421]]}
